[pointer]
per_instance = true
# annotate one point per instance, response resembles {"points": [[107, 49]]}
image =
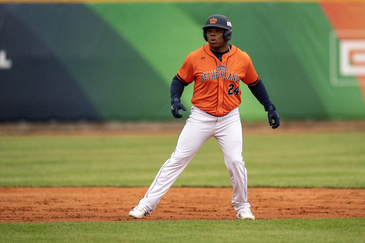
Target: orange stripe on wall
{"points": [[347, 16]]}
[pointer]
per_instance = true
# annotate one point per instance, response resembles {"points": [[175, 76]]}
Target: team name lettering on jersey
{"points": [[220, 72]]}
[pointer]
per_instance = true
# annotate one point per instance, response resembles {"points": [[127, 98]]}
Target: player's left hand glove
{"points": [[176, 106], [273, 116]]}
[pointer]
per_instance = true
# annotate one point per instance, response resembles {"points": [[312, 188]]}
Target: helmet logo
{"points": [[213, 20]]}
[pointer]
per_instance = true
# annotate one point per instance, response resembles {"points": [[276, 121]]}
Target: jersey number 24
{"points": [[233, 90]]}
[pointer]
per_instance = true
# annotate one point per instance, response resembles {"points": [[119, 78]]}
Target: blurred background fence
{"points": [[115, 61]]}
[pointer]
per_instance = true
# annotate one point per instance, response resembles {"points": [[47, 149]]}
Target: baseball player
{"points": [[216, 70]]}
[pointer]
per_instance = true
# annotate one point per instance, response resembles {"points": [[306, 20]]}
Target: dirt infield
{"points": [[113, 204]]}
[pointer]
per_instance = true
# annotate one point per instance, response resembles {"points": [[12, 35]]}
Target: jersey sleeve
{"points": [[186, 71], [251, 76]]}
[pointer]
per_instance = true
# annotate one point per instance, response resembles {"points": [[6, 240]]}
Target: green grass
{"points": [[81, 161], [306, 160], [289, 230]]}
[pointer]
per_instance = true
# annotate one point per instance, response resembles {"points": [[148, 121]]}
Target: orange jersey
{"points": [[216, 87]]}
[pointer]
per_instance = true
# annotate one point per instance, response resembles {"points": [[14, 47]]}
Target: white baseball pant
{"points": [[199, 127]]}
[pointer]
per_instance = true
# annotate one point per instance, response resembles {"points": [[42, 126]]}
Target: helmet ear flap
{"points": [[205, 35], [227, 35]]}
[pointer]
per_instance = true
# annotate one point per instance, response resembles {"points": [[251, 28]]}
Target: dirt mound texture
{"points": [[113, 204]]}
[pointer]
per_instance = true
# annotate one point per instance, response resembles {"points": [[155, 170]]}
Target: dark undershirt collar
{"points": [[220, 54]]}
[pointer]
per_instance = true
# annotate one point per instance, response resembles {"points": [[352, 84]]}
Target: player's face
{"points": [[216, 40]]}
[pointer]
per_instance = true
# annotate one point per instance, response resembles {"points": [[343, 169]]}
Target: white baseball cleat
{"points": [[246, 214], [137, 212]]}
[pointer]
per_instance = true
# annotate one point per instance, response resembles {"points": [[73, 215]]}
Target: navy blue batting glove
{"points": [[273, 116], [176, 106]]}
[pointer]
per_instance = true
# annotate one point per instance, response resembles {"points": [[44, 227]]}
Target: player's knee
{"points": [[235, 161]]}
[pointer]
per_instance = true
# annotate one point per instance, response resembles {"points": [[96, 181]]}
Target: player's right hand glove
{"points": [[273, 116], [176, 106]]}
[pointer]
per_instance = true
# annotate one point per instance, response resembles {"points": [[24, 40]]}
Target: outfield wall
{"points": [[115, 61]]}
